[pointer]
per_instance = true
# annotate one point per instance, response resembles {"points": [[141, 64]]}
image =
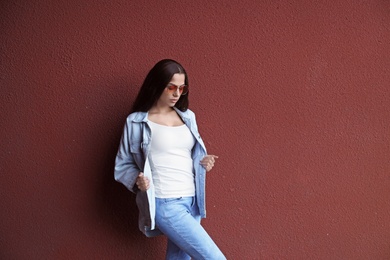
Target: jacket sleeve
{"points": [[193, 120], [195, 129], [126, 168]]}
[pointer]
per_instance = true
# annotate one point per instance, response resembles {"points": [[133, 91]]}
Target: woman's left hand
{"points": [[208, 162]]}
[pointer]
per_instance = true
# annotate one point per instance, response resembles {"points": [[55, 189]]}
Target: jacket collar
{"points": [[183, 115], [140, 117]]}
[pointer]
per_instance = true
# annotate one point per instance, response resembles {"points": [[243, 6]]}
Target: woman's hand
{"points": [[142, 182], [208, 162]]}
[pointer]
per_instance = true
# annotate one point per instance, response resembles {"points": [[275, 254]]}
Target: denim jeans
{"points": [[179, 220]]}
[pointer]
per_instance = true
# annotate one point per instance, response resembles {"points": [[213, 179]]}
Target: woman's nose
{"points": [[177, 92]]}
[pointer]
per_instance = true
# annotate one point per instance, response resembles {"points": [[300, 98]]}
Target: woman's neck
{"points": [[165, 116], [160, 110]]}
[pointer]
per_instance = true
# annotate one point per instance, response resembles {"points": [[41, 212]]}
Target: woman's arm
{"points": [[126, 168]]}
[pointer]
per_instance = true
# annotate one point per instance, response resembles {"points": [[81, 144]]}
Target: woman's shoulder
{"points": [[187, 113], [136, 116], [190, 112]]}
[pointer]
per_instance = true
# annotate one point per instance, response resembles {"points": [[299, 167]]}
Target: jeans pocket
{"points": [[172, 200]]}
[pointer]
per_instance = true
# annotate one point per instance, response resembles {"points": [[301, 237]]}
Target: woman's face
{"points": [[170, 96]]}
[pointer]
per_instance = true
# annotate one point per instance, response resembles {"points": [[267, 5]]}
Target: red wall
{"points": [[292, 95]]}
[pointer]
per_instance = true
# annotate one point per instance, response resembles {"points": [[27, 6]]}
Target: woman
{"points": [[163, 159]]}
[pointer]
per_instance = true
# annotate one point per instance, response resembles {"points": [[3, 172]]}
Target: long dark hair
{"points": [[155, 83]]}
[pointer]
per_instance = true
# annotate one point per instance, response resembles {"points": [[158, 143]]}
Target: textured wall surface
{"points": [[292, 95]]}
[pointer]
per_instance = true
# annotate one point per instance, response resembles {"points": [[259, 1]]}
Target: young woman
{"points": [[163, 159]]}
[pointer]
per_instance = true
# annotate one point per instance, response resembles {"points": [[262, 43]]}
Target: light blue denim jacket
{"points": [[132, 158]]}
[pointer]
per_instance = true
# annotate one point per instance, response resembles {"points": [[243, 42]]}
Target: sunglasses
{"points": [[172, 88]]}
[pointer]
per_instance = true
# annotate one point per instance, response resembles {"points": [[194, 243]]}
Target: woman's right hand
{"points": [[142, 182]]}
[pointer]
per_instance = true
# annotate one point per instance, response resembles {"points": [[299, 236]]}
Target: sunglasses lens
{"points": [[172, 88], [182, 89]]}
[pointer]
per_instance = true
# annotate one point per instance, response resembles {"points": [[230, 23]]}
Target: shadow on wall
{"points": [[115, 209], [115, 204]]}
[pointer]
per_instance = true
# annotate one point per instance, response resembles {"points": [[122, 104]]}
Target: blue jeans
{"points": [[179, 220]]}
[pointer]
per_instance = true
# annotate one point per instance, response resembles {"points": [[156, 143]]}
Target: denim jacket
{"points": [[132, 158]]}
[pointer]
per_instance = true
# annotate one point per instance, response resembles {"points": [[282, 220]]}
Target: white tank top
{"points": [[171, 161]]}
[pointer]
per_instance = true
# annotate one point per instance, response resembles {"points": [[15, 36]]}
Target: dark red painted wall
{"points": [[292, 95]]}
